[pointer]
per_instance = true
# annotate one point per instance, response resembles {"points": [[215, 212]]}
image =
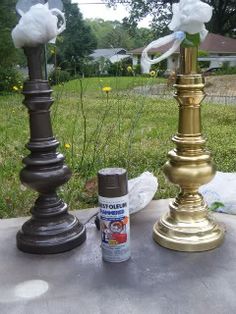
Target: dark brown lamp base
{"points": [[62, 235], [51, 229]]}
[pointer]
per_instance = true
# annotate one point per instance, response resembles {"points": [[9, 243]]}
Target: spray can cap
{"points": [[112, 182]]}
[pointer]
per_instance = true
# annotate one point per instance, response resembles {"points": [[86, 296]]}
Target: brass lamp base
{"points": [[189, 236], [188, 225]]}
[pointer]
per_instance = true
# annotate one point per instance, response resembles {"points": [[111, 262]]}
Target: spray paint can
{"points": [[114, 214]]}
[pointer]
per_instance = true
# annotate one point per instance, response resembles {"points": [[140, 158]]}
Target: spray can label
{"points": [[115, 228]]}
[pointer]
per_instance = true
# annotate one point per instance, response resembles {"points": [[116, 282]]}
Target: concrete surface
{"points": [[155, 280]]}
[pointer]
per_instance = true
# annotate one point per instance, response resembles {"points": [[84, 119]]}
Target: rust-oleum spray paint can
{"points": [[114, 214]]}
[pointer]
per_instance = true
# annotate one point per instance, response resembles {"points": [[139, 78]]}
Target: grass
{"points": [[123, 129]]}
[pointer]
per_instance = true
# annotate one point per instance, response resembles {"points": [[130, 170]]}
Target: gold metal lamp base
{"points": [[189, 235], [188, 226]]}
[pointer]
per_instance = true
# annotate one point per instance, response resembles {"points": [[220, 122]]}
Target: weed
{"points": [[124, 130]]}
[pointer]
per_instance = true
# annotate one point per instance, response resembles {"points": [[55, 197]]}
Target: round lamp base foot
{"points": [[189, 236], [50, 237]]}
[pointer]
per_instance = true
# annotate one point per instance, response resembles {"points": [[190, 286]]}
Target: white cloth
{"points": [[178, 37], [141, 191], [189, 16], [221, 190], [38, 26]]}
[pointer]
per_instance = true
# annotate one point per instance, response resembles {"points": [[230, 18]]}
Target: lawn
{"points": [[98, 130]]}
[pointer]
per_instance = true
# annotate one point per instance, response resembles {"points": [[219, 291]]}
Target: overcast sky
{"points": [[102, 11]]}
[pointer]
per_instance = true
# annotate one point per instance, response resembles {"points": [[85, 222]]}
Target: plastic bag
{"points": [[178, 37], [141, 191], [189, 16], [38, 26], [222, 192]]}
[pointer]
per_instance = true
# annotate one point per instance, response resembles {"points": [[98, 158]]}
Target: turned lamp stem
{"points": [[188, 60], [33, 55], [51, 229], [189, 116]]}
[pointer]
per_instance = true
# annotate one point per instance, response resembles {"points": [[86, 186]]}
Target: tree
{"points": [[224, 17], [141, 36], [8, 54], [119, 35], [223, 21], [118, 38], [110, 34], [77, 41], [100, 29]]}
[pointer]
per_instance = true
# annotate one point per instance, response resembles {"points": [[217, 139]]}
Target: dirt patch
{"points": [[224, 85], [219, 90]]}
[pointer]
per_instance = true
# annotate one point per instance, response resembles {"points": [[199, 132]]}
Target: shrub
{"points": [[203, 64], [91, 69], [59, 76], [227, 69], [120, 68], [10, 79], [137, 69]]}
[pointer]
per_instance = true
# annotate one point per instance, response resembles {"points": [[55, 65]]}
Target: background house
{"points": [[220, 49], [111, 55]]}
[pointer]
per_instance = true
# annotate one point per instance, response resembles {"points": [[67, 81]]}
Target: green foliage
{"points": [[103, 67], [121, 129], [119, 35], [100, 29], [161, 66], [59, 76], [15, 199], [142, 36], [203, 64], [203, 53], [7, 22], [120, 68], [223, 21], [154, 67], [110, 34], [92, 87], [76, 42], [9, 78], [137, 69], [92, 68], [191, 40], [227, 70], [8, 19], [224, 17], [216, 205]]}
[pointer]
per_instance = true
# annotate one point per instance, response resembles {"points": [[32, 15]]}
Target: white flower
{"points": [[189, 16]]}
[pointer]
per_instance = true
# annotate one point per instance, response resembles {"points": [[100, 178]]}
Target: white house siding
{"points": [[135, 60], [218, 61], [173, 63]]}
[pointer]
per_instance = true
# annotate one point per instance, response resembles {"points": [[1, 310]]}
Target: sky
{"points": [[102, 11]]}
